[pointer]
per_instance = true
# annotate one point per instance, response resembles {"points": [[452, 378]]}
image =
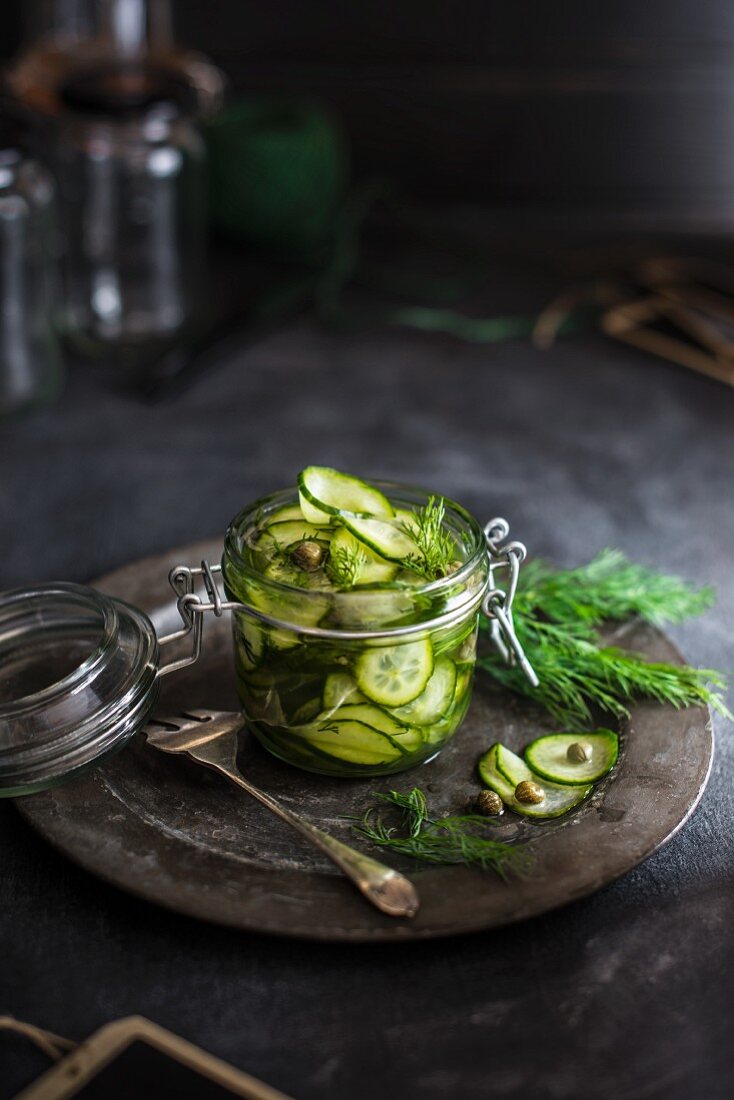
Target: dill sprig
{"points": [[344, 565], [434, 543], [557, 613], [463, 839], [609, 588], [283, 571]]}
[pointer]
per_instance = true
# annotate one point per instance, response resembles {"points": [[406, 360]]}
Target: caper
{"points": [[489, 802], [308, 556], [579, 752], [529, 792]]}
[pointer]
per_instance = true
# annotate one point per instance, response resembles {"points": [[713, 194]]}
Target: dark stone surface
{"points": [[625, 994]]}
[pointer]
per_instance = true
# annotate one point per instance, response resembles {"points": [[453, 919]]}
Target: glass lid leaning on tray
{"points": [[80, 671], [78, 675]]}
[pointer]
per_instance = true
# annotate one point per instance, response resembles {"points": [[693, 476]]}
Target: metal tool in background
{"points": [[685, 314], [210, 738]]}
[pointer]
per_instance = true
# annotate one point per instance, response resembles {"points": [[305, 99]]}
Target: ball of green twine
{"points": [[278, 171]]}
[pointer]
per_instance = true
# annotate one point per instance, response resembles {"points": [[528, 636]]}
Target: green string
{"points": [[279, 170]]}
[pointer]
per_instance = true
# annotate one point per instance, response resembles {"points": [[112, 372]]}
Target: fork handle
{"points": [[388, 890]]}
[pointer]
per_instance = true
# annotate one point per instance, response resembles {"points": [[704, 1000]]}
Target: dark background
{"points": [[619, 107], [513, 116]]}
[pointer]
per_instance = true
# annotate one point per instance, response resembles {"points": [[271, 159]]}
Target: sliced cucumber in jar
{"points": [[305, 608], [284, 572], [375, 717], [395, 675], [352, 741], [306, 712], [250, 643], [284, 513], [503, 771], [436, 698], [340, 687], [325, 493], [387, 540], [572, 758], [281, 536], [406, 737], [372, 568]]}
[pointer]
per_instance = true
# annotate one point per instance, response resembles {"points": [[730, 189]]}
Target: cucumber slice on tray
{"points": [[325, 493], [501, 770], [395, 675], [552, 757]]}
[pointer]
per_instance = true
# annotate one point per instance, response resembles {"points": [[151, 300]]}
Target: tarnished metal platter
{"points": [[176, 834]]}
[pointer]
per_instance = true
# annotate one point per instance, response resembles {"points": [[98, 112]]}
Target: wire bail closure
{"points": [[497, 602], [192, 609]]}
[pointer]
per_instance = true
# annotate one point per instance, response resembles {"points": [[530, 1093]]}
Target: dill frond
{"points": [[436, 549], [460, 839], [557, 613], [344, 565]]}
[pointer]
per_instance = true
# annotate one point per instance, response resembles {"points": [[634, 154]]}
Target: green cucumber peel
{"points": [[501, 770], [548, 757]]}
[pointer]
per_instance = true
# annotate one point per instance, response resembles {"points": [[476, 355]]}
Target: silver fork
{"points": [[210, 737]]}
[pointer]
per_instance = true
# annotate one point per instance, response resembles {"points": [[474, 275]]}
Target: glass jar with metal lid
{"points": [[80, 671]]}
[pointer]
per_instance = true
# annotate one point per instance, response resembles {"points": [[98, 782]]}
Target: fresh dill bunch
{"points": [[344, 565], [435, 545], [609, 588], [461, 839], [557, 613]]}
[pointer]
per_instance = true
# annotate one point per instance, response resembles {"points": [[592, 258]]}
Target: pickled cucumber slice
{"points": [[435, 700], [305, 608], [387, 540], [249, 644], [307, 712], [501, 770], [279, 536], [548, 756], [373, 569], [369, 606], [325, 493], [406, 737], [395, 675], [352, 741], [285, 512], [340, 687], [374, 717]]}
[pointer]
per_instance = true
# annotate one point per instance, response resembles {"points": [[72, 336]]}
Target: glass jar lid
{"points": [[78, 677]]}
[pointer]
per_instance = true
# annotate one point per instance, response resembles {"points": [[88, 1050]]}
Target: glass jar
{"points": [[63, 36], [316, 668], [131, 168], [30, 362]]}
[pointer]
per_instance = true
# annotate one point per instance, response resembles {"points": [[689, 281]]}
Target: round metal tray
{"points": [[174, 833]]}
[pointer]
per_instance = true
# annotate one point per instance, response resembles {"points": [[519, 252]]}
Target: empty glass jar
{"points": [[131, 169]]}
